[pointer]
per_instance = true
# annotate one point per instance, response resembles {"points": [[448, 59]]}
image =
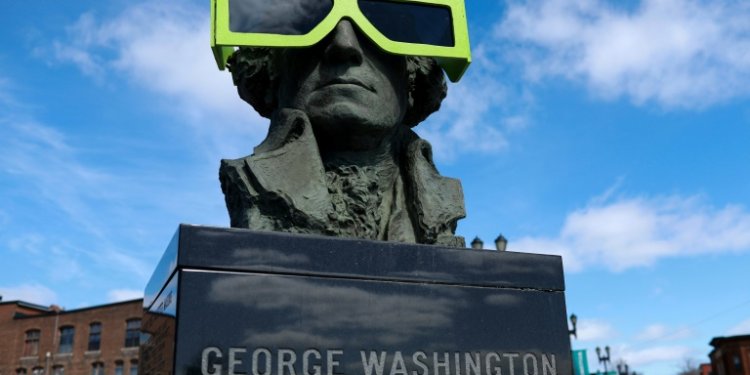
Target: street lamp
{"points": [[603, 359], [574, 322], [622, 368], [477, 243], [501, 243]]}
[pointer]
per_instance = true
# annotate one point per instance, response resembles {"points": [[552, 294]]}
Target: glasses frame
{"points": [[454, 59]]}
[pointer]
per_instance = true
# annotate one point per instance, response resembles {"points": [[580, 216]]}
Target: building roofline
{"points": [[26, 304], [719, 339], [48, 312]]}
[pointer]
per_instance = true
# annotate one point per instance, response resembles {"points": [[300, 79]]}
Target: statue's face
{"points": [[353, 92]]}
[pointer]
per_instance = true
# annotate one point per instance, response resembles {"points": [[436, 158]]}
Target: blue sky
{"points": [[612, 133]]}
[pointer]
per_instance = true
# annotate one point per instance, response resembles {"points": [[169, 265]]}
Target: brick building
{"points": [[99, 340], [731, 355]]}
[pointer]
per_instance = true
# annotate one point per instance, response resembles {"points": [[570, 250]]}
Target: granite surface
{"points": [[229, 301]]}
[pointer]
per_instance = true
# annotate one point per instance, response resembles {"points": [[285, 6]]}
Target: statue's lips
{"points": [[346, 81]]}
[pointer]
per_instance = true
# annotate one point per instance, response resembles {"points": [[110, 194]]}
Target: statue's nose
{"points": [[344, 44]]}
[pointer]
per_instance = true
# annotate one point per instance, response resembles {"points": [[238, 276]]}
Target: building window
{"points": [[21, 371], [133, 367], [737, 363], [133, 333], [58, 370], [97, 368], [118, 368], [66, 339], [95, 336], [37, 371], [32, 343]]}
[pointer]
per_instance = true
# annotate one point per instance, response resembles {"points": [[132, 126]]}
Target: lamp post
{"points": [[603, 359], [574, 322], [573, 332], [501, 243], [622, 368], [477, 244], [47, 357]]}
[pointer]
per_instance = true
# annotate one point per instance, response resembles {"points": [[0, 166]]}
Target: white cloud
{"points": [[461, 125], [34, 293], [742, 328], [169, 57], [652, 332], [117, 295], [655, 354], [172, 59], [634, 232], [593, 330], [655, 332], [478, 113], [676, 53]]}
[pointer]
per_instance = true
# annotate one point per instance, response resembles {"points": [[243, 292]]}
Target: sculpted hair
{"points": [[255, 75]]}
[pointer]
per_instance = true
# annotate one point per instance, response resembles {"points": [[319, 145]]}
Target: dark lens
{"points": [[286, 17], [410, 22]]}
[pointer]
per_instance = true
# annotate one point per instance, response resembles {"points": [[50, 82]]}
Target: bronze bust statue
{"points": [[340, 158]]}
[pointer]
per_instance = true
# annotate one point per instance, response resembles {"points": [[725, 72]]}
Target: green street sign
{"points": [[580, 362]]}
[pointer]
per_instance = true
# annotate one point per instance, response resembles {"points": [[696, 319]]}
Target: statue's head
{"points": [[359, 73], [344, 83], [350, 65]]}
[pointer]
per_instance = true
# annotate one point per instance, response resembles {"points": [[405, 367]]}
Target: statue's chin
{"points": [[348, 128], [353, 116]]}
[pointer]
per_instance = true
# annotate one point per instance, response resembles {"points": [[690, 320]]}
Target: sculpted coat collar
{"points": [[282, 187]]}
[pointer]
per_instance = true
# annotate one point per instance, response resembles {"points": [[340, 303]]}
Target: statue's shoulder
{"points": [[232, 173], [278, 188], [437, 201]]}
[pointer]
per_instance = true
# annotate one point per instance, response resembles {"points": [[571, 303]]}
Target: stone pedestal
{"points": [[229, 301]]}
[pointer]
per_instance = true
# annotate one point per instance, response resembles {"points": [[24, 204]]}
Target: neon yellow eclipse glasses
{"points": [[431, 28]]}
